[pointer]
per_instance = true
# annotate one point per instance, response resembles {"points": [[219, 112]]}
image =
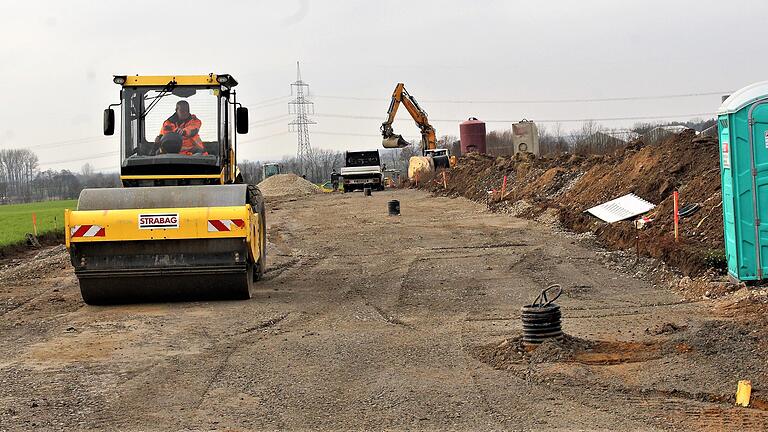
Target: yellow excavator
{"points": [[184, 225], [432, 158]]}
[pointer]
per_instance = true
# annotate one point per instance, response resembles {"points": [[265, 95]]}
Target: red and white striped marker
{"points": [[218, 225], [87, 231]]}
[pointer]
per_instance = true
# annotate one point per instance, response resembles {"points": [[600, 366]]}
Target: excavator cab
{"points": [[184, 225]]}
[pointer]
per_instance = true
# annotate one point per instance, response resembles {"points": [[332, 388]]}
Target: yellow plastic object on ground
{"points": [[743, 393], [326, 187]]}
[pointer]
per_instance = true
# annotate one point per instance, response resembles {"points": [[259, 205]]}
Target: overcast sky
{"points": [[58, 58]]}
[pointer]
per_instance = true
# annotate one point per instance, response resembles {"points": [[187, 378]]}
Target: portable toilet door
{"points": [[743, 132]]}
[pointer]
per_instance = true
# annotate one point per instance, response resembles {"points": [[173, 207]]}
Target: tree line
{"points": [[22, 181], [591, 137]]}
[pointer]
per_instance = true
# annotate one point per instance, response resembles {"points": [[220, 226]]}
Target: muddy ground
{"points": [[370, 322]]}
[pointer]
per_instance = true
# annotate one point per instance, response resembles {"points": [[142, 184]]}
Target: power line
{"points": [[95, 156], [263, 137], [114, 153], [280, 99], [267, 105], [105, 168], [356, 117], [72, 141], [97, 138], [273, 100], [541, 101], [661, 117], [346, 134], [280, 117]]}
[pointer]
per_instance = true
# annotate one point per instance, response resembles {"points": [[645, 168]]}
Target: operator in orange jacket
{"points": [[185, 124]]}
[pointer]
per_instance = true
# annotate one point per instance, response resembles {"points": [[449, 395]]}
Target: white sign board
{"points": [[621, 208]]}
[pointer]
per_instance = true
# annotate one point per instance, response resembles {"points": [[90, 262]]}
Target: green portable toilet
{"points": [[743, 129]]}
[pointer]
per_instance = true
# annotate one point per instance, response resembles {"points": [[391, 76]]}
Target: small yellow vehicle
{"points": [[184, 225]]}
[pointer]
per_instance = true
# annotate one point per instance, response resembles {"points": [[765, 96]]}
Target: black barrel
{"points": [[393, 207], [542, 319], [367, 191]]}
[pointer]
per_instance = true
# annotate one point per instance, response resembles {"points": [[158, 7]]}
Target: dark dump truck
{"points": [[362, 169]]}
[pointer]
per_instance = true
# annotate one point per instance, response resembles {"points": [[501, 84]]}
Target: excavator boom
{"points": [[431, 157], [392, 140]]}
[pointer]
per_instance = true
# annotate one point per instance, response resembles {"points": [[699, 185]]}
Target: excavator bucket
{"points": [[395, 141], [166, 243]]}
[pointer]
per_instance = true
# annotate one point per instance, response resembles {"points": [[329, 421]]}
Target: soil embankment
{"points": [[565, 186]]}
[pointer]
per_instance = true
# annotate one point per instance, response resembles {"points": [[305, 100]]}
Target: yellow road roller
{"points": [[184, 225]]}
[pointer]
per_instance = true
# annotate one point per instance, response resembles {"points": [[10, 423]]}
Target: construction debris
{"points": [[569, 183], [621, 208]]}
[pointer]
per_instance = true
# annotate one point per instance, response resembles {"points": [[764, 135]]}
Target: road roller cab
{"points": [[184, 225]]}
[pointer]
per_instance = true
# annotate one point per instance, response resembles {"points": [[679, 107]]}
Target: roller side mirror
{"points": [[242, 120], [109, 121]]}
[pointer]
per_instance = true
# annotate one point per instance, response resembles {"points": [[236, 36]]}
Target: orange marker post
{"points": [[676, 197], [34, 224], [503, 188]]}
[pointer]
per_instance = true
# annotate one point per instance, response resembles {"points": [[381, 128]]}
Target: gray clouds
{"points": [[57, 59]]}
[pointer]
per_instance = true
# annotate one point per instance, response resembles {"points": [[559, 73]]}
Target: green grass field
{"points": [[16, 219]]}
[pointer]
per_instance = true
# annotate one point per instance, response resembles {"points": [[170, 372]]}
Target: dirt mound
{"points": [[511, 352], [27, 271], [23, 248], [734, 348], [287, 185], [571, 184]]}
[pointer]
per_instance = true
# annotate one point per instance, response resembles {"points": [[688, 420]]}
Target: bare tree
{"points": [[18, 168], [552, 141], [586, 139], [446, 141], [87, 169], [499, 143]]}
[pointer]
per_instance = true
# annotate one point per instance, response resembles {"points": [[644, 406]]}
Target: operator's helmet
{"points": [[171, 142]]}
